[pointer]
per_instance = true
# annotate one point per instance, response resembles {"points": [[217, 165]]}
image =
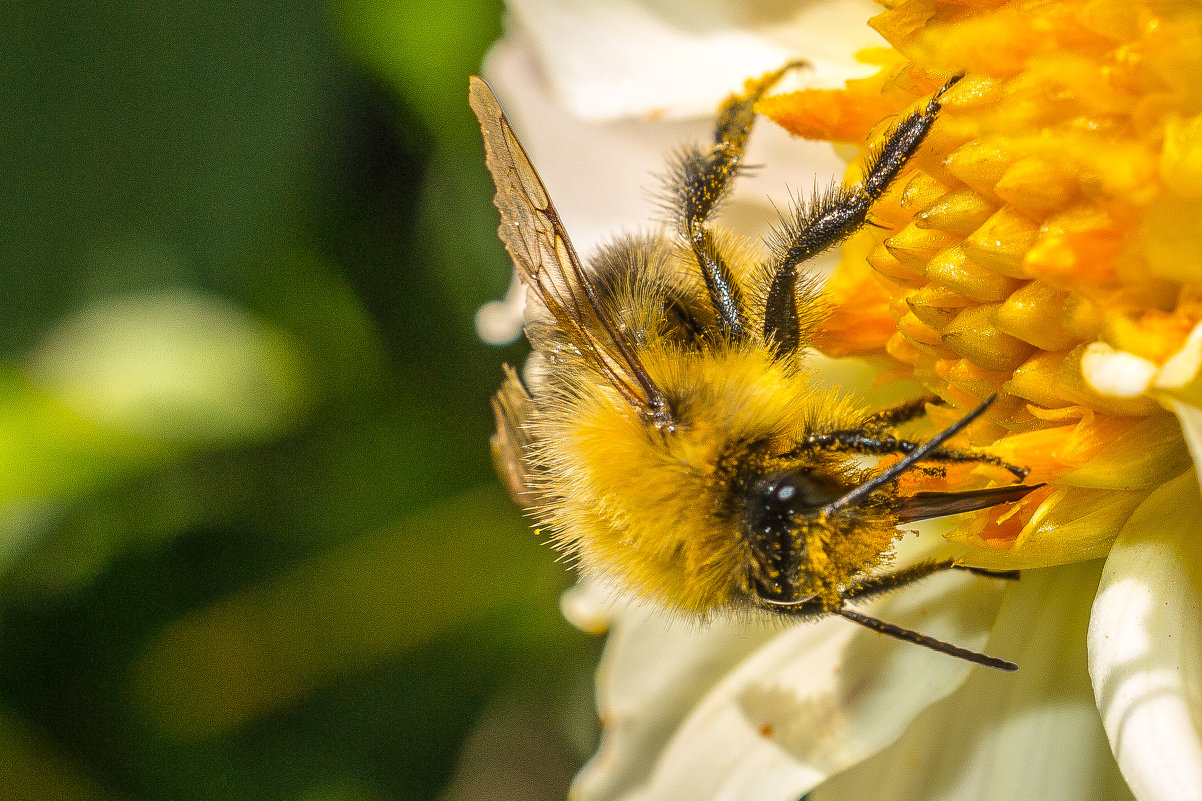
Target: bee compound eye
{"points": [[797, 494]]}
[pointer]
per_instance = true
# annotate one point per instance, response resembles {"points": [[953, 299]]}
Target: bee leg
{"points": [[1007, 575], [942, 455], [877, 585], [872, 586], [867, 443], [910, 636], [832, 216], [902, 413], [698, 180]]}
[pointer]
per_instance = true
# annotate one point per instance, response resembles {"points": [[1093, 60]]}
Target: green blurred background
{"points": [[250, 542]]}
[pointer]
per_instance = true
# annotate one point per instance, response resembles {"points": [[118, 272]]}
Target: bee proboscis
{"points": [[674, 441]]}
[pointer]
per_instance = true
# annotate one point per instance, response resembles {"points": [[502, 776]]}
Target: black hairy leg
{"points": [[873, 586], [832, 216], [876, 585], [869, 444], [902, 413], [699, 180]]}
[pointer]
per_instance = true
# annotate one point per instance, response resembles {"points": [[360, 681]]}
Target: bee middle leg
{"points": [[868, 443], [872, 586]]}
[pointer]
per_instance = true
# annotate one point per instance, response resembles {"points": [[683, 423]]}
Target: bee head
{"points": [[775, 511]]}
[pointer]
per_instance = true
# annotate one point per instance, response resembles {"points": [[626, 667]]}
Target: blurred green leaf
{"points": [[245, 552], [176, 136], [257, 650], [32, 770], [176, 366]]}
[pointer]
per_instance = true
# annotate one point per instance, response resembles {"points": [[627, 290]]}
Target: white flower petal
{"points": [[1116, 372], [603, 177], [589, 606], [625, 58], [653, 672], [1191, 426], [1145, 646], [1027, 736], [763, 713], [499, 322]]}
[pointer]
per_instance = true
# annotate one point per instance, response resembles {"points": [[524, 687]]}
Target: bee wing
{"points": [[512, 406], [546, 261]]}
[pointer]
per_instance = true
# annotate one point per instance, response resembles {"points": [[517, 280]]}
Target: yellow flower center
{"points": [[1046, 243]]}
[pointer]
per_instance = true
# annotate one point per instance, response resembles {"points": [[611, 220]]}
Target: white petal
{"points": [[1033, 735], [625, 58], [653, 672], [499, 322], [1191, 426], [1145, 646], [763, 713], [1116, 372], [589, 606], [602, 177]]}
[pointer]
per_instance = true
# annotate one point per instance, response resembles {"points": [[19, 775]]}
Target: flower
{"points": [[1041, 249], [1046, 245]]}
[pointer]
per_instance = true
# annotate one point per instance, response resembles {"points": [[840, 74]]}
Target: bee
{"points": [[673, 440]]}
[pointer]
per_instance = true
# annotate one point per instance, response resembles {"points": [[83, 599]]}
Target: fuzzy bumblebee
{"points": [[674, 441]]}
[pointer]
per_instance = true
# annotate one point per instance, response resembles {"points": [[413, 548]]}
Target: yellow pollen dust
{"points": [[1045, 244]]}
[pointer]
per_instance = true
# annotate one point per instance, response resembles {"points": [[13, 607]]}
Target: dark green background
{"points": [[295, 577]]}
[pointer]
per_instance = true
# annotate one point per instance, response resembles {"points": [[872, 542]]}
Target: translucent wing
{"points": [[547, 262], [512, 407]]}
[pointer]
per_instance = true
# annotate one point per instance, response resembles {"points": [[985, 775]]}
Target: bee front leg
{"points": [[833, 215], [901, 413]]}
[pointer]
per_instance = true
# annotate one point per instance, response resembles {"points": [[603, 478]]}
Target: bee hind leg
{"points": [[697, 182], [872, 586], [939, 646]]}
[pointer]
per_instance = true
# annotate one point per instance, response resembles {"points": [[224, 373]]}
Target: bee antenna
{"points": [[913, 457], [881, 627]]}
